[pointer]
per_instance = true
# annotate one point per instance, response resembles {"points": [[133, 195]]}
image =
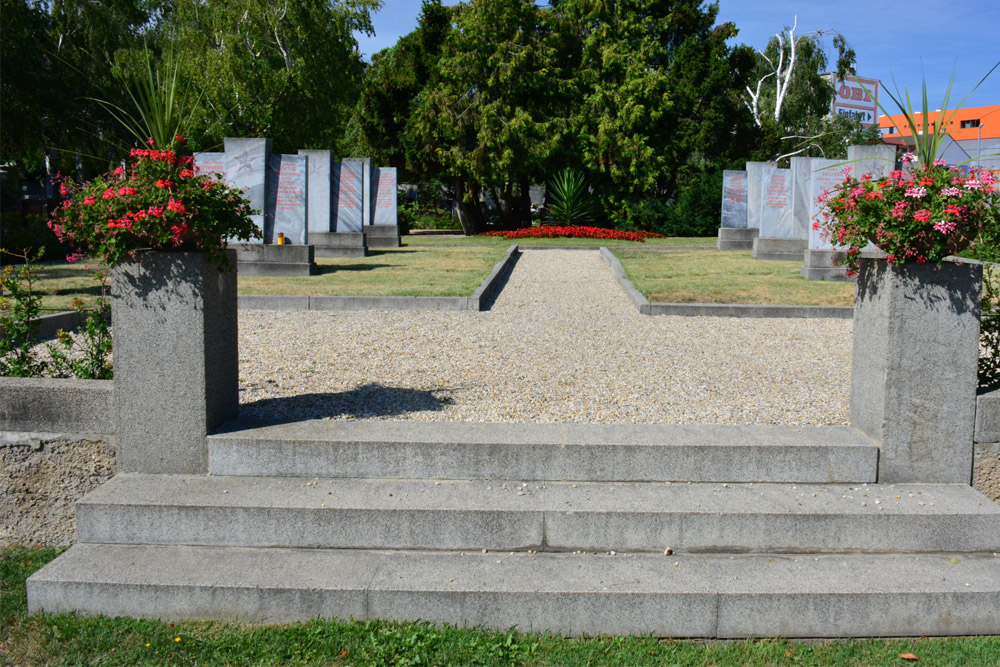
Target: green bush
{"points": [[21, 232], [693, 212]]}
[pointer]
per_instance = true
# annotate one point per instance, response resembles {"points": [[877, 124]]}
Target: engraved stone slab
{"points": [[801, 168], [366, 188], [776, 204], [210, 164], [247, 170], [319, 183], [826, 175], [286, 201], [734, 199], [876, 160], [348, 192], [384, 189], [755, 188]]}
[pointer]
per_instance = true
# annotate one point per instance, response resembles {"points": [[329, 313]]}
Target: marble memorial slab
{"points": [[384, 188], [776, 204], [801, 170], [210, 164], [826, 175], [734, 199], [287, 200], [319, 184], [247, 169], [348, 190], [876, 160], [755, 188]]}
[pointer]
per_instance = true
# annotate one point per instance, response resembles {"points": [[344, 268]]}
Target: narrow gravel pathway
{"points": [[561, 344]]}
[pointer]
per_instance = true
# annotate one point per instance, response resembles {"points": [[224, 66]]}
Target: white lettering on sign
{"points": [[856, 98]]}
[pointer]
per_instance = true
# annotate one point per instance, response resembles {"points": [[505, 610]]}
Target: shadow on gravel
{"points": [[368, 401], [491, 297]]}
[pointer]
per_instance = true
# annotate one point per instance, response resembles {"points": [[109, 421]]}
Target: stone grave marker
{"points": [[826, 175], [384, 205], [876, 160], [210, 164], [801, 170], [286, 201], [247, 169], [734, 199], [319, 184], [755, 189], [348, 191], [776, 204]]}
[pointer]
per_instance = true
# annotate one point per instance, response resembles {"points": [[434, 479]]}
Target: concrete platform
{"points": [[783, 250], [736, 239], [543, 516], [382, 236], [338, 244], [257, 259], [823, 265], [573, 594], [594, 452]]}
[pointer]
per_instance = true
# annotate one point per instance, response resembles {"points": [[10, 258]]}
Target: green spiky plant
{"points": [[569, 203], [927, 144]]}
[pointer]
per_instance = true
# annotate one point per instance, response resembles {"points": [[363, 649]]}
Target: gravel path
{"points": [[562, 343]]}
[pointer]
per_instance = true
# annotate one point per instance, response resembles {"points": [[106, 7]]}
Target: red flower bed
{"points": [[551, 232]]}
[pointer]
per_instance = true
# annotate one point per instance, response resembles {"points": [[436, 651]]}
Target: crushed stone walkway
{"points": [[561, 343]]}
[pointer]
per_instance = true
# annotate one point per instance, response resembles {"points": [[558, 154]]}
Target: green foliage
{"points": [[569, 203], [19, 232], [989, 330], [87, 355], [19, 308]]}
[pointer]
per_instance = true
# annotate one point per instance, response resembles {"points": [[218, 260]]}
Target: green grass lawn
{"points": [[79, 640], [407, 271], [727, 276]]}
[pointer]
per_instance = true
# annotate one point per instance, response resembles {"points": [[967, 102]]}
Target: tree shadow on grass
{"points": [[369, 401]]}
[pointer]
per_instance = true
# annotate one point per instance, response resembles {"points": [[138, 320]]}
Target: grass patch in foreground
{"points": [[69, 639], [727, 276], [445, 240]]}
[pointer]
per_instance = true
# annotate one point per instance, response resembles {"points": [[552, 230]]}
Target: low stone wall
{"points": [[986, 452], [47, 405]]}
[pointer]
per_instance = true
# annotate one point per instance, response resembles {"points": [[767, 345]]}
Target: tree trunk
{"points": [[469, 214]]}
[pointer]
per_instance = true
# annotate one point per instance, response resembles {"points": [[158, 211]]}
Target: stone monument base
{"points": [[783, 250], [339, 244], [382, 236], [257, 259], [732, 238], [822, 265]]}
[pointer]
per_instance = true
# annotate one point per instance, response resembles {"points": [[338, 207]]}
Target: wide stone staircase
{"points": [[697, 531]]}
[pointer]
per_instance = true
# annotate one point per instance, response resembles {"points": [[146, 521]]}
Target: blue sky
{"points": [[908, 40]]}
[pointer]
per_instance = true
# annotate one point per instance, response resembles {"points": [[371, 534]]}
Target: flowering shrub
{"points": [[553, 232], [157, 202], [920, 215]]}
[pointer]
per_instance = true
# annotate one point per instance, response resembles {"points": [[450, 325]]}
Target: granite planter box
{"points": [[913, 375], [176, 364]]}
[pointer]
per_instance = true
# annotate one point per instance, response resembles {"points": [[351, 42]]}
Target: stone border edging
{"points": [[717, 309], [474, 302], [67, 320]]}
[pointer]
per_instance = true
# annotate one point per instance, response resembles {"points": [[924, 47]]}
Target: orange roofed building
{"points": [[974, 134]]}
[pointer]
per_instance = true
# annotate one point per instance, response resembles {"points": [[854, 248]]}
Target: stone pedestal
{"points": [[736, 239], [339, 244], [913, 376], [275, 260], [783, 250], [823, 265], [382, 236], [176, 363]]}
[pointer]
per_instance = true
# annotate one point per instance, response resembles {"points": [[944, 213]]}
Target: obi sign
{"points": [[856, 98]]}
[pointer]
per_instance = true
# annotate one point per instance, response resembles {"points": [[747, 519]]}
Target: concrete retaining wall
{"points": [[47, 405]]}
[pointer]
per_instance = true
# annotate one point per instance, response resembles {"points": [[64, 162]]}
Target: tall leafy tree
{"points": [[490, 117], [285, 69]]}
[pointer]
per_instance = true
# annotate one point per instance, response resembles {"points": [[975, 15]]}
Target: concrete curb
{"points": [[56, 405], [67, 320], [718, 309], [440, 303]]}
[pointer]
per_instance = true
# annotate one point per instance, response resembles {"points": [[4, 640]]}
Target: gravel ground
{"points": [[562, 343]]}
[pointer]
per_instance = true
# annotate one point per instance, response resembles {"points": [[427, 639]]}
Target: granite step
{"points": [[584, 452], [549, 516], [721, 596]]}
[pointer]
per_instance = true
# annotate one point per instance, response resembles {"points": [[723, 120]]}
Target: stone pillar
{"points": [[176, 362], [915, 361]]}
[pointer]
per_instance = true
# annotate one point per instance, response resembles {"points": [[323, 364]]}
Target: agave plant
{"points": [[569, 202], [927, 143]]}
